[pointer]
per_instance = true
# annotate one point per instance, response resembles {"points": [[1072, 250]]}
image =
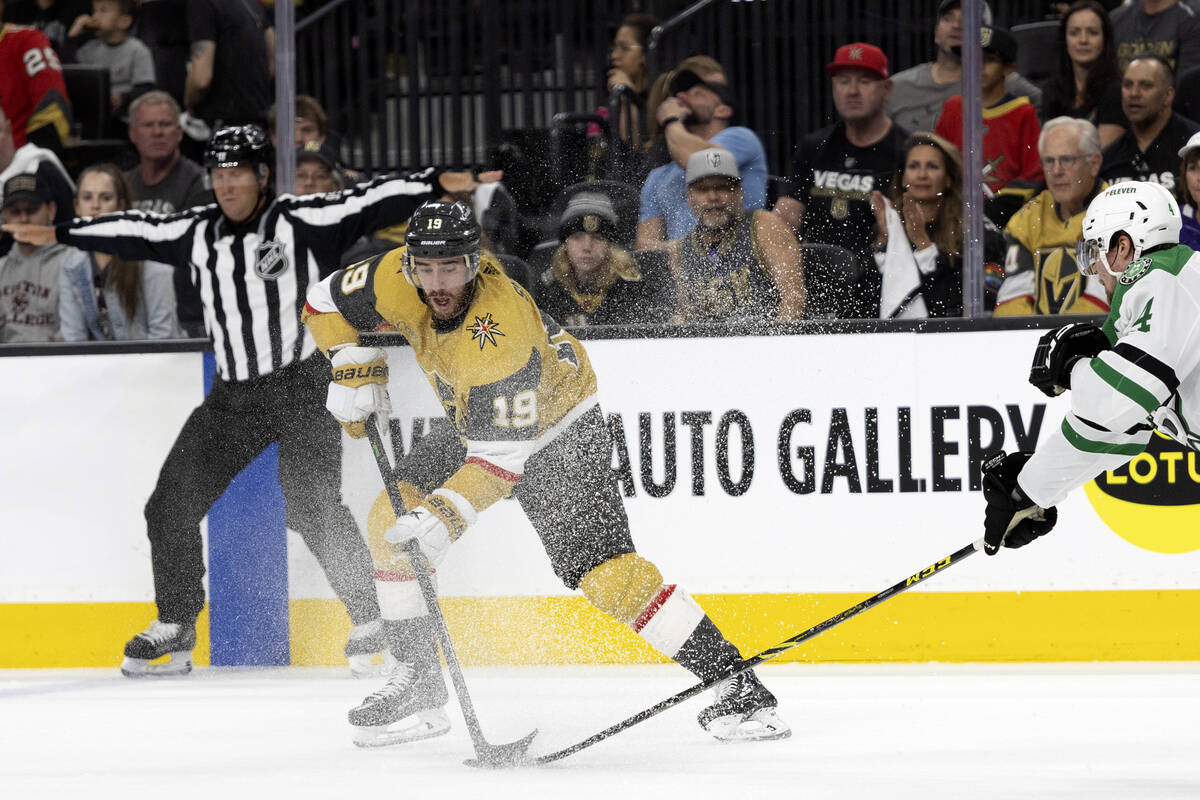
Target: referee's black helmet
{"points": [[238, 146]]}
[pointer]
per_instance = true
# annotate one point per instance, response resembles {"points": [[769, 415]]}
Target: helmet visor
{"points": [[446, 274], [1087, 255]]}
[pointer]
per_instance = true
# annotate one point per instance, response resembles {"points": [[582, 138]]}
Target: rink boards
{"points": [[780, 479]]}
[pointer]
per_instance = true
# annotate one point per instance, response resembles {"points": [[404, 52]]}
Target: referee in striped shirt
{"points": [[252, 257]]}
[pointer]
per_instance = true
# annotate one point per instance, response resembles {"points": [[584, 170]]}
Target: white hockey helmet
{"points": [[1144, 211]]}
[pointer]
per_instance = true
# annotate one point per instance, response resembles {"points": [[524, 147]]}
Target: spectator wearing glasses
{"points": [[1041, 275], [1148, 150], [628, 78]]}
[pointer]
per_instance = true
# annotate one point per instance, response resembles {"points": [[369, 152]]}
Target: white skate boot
{"points": [[409, 707], [744, 711], [160, 639]]}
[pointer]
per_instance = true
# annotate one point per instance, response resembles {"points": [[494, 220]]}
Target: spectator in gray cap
{"points": [[735, 265], [919, 92], [592, 280], [700, 113], [29, 274]]}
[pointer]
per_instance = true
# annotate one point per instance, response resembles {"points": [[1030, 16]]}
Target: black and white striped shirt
{"points": [[253, 277]]}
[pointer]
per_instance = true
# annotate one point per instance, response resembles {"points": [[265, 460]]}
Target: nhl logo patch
{"points": [[270, 260], [1134, 271]]}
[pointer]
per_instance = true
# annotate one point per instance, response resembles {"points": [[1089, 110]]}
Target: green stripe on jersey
{"points": [[1126, 385], [1080, 442]]}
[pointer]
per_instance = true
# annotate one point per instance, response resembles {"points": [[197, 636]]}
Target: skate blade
{"points": [[177, 665], [372, 665], [427, 725], [763, 725]]}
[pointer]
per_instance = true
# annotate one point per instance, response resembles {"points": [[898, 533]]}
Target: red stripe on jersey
{"points": [[499, 472], [652, 609], [308, 309], [396, 577]]}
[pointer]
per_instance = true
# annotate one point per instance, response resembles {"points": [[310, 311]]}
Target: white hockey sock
{"points": [[669, 619]]}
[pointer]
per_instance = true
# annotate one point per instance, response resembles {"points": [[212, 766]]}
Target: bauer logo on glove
{"points": [[359, 388]]}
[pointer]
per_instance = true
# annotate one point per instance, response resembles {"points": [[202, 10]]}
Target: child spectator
{"points": [[106, 297], [592, 280], [29, 273], [1011, 125], [129, 62], [1187, 191]]}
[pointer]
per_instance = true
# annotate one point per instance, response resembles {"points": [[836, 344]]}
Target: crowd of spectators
{"points": [[866, 221]]}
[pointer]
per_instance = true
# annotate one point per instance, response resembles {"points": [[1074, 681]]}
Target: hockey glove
{"points": [[1058, 350], [436, 524], [359, 388], [1011, 518]]}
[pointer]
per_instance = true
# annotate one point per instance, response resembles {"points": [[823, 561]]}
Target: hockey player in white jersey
{"points": [[1137, 373]]}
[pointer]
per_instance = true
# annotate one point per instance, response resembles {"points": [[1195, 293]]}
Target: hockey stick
{"points": [[766, 655], [486, 754]]}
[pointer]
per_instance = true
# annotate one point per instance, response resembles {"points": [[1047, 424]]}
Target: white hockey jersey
{"points": [[1150, 378]]}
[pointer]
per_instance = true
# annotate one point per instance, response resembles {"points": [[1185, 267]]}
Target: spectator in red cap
{"points": [[834, 172], [1011, 129]]}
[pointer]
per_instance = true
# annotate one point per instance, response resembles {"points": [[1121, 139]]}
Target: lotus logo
{"points": [[1153, 502]]}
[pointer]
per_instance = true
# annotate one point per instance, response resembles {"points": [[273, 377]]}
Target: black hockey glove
{"points": [[1011, 518], [1058, 350]]}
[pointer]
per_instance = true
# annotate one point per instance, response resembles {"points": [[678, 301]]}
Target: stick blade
{"points": [[502, 756]]}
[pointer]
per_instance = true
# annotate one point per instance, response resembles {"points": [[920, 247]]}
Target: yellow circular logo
{"points": [[1153, 501]]}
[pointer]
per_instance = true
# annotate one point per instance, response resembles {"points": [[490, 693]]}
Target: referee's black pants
{"points": [[236, 422]]}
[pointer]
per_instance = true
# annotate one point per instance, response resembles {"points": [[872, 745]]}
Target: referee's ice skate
{"points": [[744, 711], [409, 707], [160, 639]]}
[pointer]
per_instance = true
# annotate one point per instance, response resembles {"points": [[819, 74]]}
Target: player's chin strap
{"points": [[486, 754]]}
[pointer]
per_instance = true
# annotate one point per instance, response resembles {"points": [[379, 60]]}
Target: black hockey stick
{"points": [[766, 655], [486, 754]]}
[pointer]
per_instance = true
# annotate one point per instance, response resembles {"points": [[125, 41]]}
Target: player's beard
{"points": [[455, 302]]}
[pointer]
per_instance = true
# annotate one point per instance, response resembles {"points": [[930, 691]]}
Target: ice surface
{"points": [[1100, 732]]}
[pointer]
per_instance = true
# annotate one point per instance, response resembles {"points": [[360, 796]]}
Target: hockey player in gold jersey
{"points": [[521, 396]]}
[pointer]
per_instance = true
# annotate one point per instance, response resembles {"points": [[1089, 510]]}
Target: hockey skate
{"points": [[160, 639], [409, 707], [367, 651], [744, 711]]}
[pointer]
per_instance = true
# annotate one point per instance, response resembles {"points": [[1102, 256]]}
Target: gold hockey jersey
{"points": [[1040, 273], [508, 377]]}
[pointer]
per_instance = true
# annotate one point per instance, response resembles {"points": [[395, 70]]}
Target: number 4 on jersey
{"points": [[1142, 323]]}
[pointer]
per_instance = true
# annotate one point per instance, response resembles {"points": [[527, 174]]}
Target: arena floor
{"points": [[1088, 731]]}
